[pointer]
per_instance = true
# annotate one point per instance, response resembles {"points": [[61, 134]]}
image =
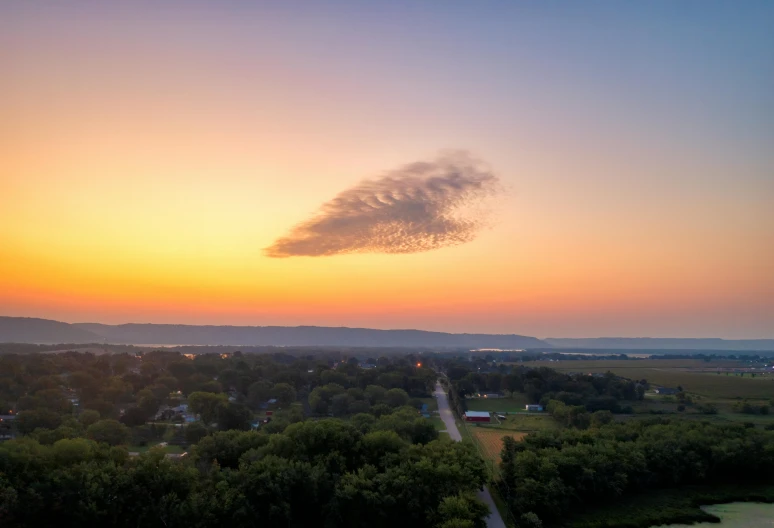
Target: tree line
{"points": [[368, 471], [606, 392], [550, 474], [57, 396]]}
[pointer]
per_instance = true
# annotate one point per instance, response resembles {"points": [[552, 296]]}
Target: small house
{"points": [[477, 416]]}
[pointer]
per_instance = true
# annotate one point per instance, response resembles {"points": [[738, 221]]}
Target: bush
{"points": [[530, 520]]}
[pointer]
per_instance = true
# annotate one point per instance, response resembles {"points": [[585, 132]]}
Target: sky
{"points": [[555, 169]]}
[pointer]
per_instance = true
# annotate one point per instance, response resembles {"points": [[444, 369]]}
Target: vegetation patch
{"points": [[513, 404], [668, 506], [490, 441]]}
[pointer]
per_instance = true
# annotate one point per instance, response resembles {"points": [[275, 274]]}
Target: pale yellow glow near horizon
{"points": [[143, 172]]}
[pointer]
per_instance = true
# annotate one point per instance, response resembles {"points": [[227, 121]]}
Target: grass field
{"points": [[515, 404], [437, 423], [527, 423], [432, 404]]}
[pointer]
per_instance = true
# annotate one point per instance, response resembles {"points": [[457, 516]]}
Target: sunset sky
{"points": [[151, 152]]}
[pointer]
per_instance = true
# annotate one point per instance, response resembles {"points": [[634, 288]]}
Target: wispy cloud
{"points": [[418, 207]]}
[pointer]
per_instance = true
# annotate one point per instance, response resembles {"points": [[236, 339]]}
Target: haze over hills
{"points": [[46, 331], [660, 343], [43, 331]]}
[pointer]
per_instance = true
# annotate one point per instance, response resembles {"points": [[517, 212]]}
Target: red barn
{"points": [[477, 416]]}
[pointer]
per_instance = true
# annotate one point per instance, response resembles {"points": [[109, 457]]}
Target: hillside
{"points": [[42, 331], [300, 336], [25, 330]]}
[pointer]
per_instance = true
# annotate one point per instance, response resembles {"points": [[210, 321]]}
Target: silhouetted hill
{"points": [[43, 331], [659, 343], [160, 334]]}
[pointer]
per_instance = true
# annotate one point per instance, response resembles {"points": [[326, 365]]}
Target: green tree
{"points": [[88, 417], [28, 421], [206, 405], [375, 394], [340, 404], [232, 416], [462, 510], [195, 432], [530, 520], [110, 432], [284, 393], [397, 397], [258, 393]]}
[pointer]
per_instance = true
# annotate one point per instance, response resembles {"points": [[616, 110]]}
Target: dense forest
{"points": [[59, 395], [335, 441], [366, 472], [549, 475], [328, 439]]}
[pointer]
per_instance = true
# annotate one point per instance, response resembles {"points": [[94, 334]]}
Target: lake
{"points": [[736, 515]]}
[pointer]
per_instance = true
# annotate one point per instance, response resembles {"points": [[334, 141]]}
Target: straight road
{"points": [[494, 520]]}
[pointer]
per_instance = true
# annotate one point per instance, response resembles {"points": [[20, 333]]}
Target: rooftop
{"points": [[477, 414]]}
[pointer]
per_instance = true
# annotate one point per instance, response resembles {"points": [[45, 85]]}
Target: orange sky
{"points": [[143, 168]]}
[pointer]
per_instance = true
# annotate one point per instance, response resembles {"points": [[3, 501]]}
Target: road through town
{"points": [[494, 520]]}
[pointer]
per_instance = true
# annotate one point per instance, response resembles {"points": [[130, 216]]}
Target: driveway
{"points": [[494, 520]]}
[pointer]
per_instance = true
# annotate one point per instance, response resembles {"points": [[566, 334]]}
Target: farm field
{"points": [[528, 423], [602, 365], [673, 373], [515, 404], [490, 442]]}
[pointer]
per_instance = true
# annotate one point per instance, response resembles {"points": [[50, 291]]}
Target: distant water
{"points": [[736, 515]]}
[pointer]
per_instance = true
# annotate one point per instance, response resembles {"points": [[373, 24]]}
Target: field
{"points": [[695, 376], [515, 404], [490, 442], [528, 423]]}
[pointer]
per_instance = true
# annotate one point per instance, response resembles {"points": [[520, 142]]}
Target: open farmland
{"points": [[490, 442], [529, 423], [695, 376], [514, 404]]}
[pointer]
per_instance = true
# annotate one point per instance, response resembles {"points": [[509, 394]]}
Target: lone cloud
{"points": [[419, 207]]}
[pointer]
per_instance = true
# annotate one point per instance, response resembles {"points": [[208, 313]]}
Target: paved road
{"points": [[494, 520]]}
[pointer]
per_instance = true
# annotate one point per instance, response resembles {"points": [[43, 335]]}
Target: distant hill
{"points": [[158, 334], [43, 331], [658, 343]]}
